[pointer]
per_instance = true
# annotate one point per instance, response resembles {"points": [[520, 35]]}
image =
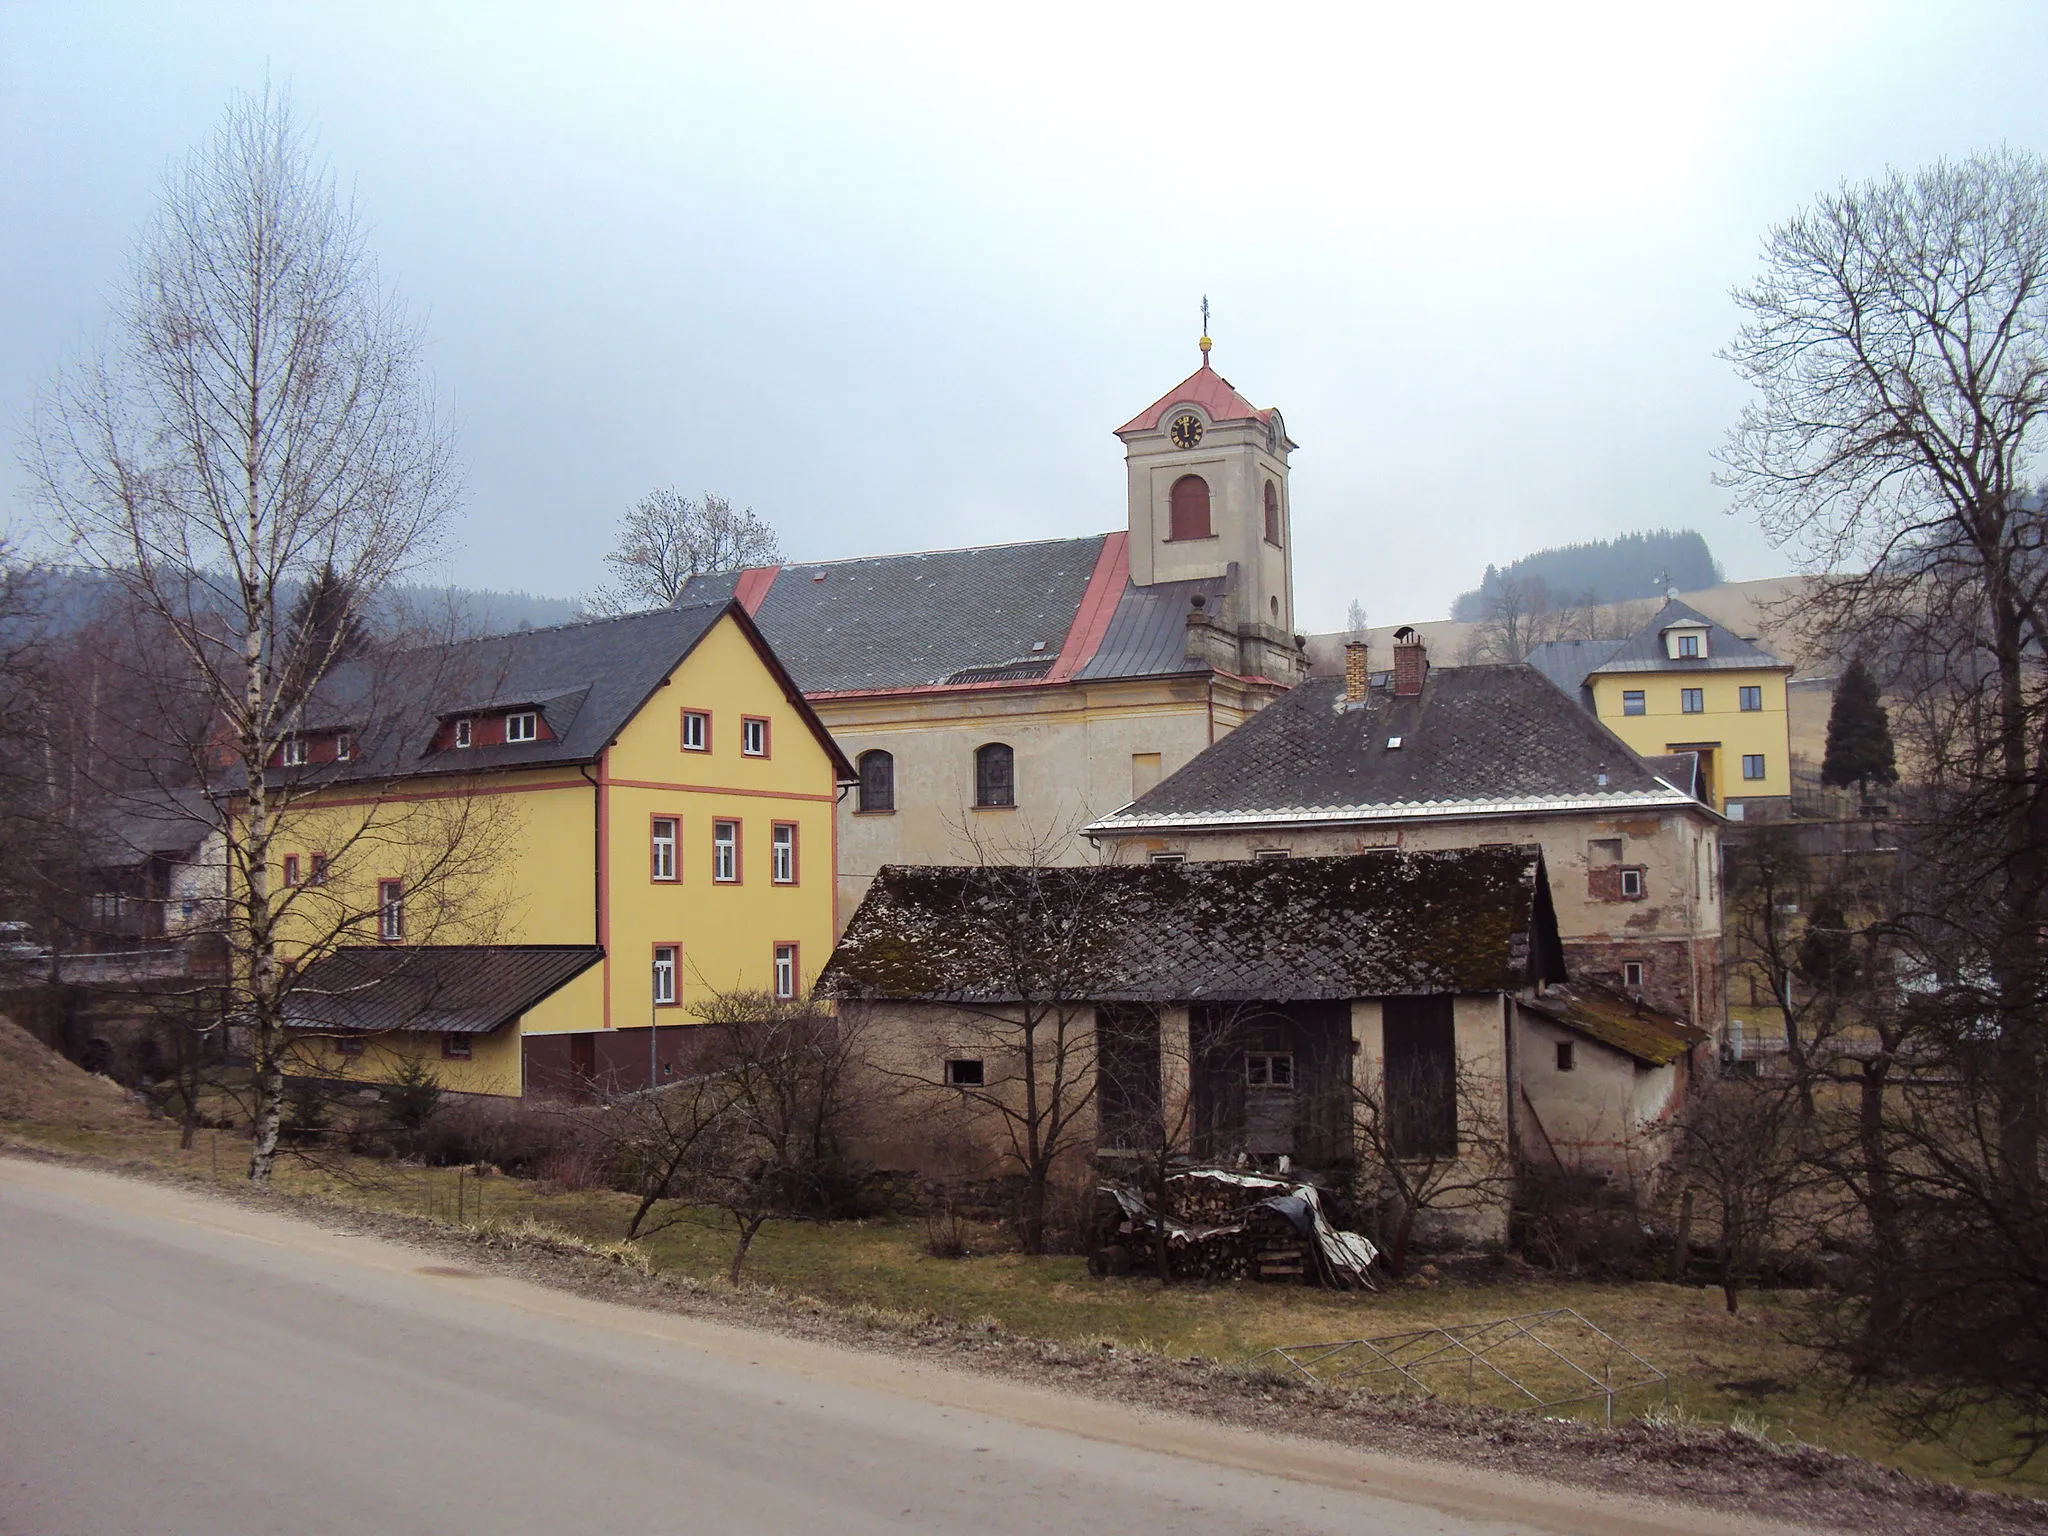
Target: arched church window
{"points": [[1272, 513], [995, 775], [877, 781], [1190, 504]]}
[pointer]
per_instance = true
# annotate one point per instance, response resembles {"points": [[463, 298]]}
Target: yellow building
{"points": [[1685, 686], [524, 860]]}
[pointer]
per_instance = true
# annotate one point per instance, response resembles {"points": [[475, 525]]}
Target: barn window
{"points": [[1272, 513], [966, 1072], [1190, 508], [1421, 1076], [877, 781], [995, 776]]}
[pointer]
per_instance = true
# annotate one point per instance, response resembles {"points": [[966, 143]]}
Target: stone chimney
{"points": [[1355, 672], [1411, 663]]}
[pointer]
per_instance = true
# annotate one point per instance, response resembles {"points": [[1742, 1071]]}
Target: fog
{"points": [[892, 276]]}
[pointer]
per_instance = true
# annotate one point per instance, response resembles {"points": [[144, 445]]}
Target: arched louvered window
{"points": [[995, 775], [877, 781], [1190, 508], [1272, 513]]}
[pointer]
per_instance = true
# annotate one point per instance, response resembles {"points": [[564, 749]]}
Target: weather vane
{"points": [[1205, 330]]}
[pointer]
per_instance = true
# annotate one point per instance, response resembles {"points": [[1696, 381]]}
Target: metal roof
{"points": [[1148, 632], [455, 989]]}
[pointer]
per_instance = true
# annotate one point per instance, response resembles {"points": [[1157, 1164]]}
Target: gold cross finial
{"points": [[1205, 330]]}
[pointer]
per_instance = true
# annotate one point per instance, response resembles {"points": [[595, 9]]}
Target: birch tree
{"points": [[257, 419]]}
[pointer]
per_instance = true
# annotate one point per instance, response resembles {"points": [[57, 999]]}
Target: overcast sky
{"points": [[892, 276]]}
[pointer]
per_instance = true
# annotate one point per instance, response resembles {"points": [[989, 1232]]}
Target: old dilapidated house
{"points": [[1253, 1009]]}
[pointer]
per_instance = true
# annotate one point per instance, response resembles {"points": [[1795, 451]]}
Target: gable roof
{"points": [[585, 680], [1625, 1024], [454, 989], [1000, 615], [1644, 651], [1206, 388], [1480, 740], [1285, 930]]}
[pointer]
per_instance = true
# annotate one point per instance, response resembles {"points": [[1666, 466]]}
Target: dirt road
{"points": [[175, 1363]]}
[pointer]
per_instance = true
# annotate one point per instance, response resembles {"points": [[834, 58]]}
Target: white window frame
{"points": [[697, 724], [782, 853], [391, 911], [465, 733], [291, 753], [524, 725], [753, 736], [662, 848], [666, 964], [1631, 882], [344, 746], [785, 971], [725, 852], [1632, 974]]}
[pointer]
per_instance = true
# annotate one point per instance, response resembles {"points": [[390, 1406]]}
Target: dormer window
{"points": [[465, 731], [344, 746], [523, 726], [292, 754], [1688, 643]]}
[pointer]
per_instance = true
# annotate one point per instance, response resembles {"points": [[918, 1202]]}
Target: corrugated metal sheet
{"points": [[458, 989]]}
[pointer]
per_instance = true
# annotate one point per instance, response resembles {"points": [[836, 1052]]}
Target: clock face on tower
{"points": [[1186, 430]]}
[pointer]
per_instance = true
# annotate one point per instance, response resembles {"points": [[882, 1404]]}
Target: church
{"points": [[997, 700]]}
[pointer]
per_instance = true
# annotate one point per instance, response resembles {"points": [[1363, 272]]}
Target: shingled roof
{"points": [[1570, 663], [455, 989], [997, 615], [1482, 740], [1625, 1024], [1370, 925], [585, 680]]}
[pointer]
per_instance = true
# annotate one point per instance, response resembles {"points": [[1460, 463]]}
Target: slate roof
{"points": [[587, 681], [1644, 652], [1477, 740], [1624, 1023], [1370, 925], [456, 989]]}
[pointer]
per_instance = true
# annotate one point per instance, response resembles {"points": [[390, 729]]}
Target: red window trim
{"points": [[796, 969], [675, 1001], [739, 847], [378, 915], [767, 738], [796, 872], [702, 714], [316, 873], [291, 869], [675, 847]]}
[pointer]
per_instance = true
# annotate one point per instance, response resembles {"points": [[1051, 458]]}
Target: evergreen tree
{"points": [[1859, 734], [323, 630]]}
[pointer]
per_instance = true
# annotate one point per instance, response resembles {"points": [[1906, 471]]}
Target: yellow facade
{"points": [[1722, 731], [563, 855]]}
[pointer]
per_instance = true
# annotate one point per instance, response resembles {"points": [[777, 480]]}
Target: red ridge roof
{"points": [[1205, 387], [1098, 605]]}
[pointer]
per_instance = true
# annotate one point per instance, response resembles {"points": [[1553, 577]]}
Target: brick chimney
{"points": [[1354, 672], [1411, 663]]}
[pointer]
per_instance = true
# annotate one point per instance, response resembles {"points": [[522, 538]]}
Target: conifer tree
{"points": [[1859, 734]]}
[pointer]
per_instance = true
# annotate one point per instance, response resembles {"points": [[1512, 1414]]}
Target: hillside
{"points": [[1631, 565]]}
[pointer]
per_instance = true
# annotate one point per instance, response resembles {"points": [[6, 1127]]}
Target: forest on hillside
{"points": [[1631, 565]]}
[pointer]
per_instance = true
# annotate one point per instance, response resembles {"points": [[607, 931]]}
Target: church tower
{"points": [[1208, 494]]}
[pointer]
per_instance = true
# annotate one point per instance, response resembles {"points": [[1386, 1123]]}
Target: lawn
{"points": [[1731, 1369]]}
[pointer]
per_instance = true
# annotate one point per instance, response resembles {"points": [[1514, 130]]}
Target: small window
{"points": [[696, 731], [782, 853], [344, 746], [318, 876], [877, 782], [785, 970], [725, 852], [662, 848], [1269, 1069], [753, 736], [291, 869], [455, 1047], [1169, 858], [1567, 1055], [465, 731], [1632, 701], [664, 975], [1692, 701], [524, 726], [1751, 697], [1752, 765], [349, 1045], [390, 910], [1272, 853], [1632, 975], [966, 1072], [1632, 882], [1272, 513], [995, 776], [1188, 508], [293, 753], [1689, 645]]}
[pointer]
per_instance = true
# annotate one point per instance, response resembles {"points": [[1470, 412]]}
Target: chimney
{"points": [[1411, 663], [1354, 672]]}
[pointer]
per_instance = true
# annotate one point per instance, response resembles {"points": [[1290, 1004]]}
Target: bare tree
{"points": [[259, 418], [667, 538], [1738, 1142]]}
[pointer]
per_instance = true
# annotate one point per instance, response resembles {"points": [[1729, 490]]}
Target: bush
{"points": [[522, 1139]]}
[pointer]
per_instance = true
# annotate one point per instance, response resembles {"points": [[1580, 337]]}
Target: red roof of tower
{"points": [[1204, 387]]}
